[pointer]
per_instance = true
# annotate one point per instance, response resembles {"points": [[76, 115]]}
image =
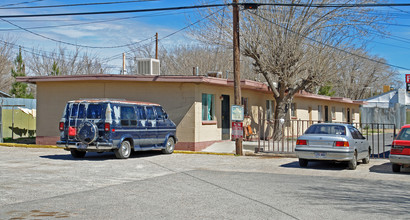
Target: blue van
{"points": [[102, 125]]}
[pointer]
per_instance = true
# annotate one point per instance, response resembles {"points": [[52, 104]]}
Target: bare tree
{"points": [[360, 78], [294, 47], [6, 63], [66, 62], [181, 59]]}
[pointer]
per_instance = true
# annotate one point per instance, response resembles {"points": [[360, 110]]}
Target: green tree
{"points": [[19, 89], [326, 90], [55, 71]]}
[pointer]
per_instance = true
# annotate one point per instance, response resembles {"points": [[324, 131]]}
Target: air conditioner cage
{"points": [[148, 67]]}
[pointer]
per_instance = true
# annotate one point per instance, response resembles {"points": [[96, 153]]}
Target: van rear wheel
{"points": [[124, 151], [169, 146], [77, 154]]}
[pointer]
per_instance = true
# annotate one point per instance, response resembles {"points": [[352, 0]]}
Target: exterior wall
{"points": [[303, 105], [176, 98], [211, 131], [181, 100]]}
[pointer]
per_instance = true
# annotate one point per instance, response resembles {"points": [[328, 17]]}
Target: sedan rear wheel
{"points": [[353, 162], [366, 160], [303, 162], [395, 167]]}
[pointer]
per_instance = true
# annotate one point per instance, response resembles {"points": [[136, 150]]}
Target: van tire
{"points": [[169, 146], [77, 154], [124, 151]]}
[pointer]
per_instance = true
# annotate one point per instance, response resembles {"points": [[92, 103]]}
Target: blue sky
{"points": [[395, 48]]}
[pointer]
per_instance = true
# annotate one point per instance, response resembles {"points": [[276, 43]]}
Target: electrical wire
{"points": [[75, 5], [67, 43], [167, 36], [209, 6], [115, 12], [91, 22], [331, 46], [21, 3]]}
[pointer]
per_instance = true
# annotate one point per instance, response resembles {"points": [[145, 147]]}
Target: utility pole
{"points": [[123, 63], [156, 46], [236, 68]]}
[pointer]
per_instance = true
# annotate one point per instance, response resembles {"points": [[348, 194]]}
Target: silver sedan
{"points": [[332, 141]]}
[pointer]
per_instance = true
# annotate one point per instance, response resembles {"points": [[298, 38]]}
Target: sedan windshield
{"points": [[326, 129]]}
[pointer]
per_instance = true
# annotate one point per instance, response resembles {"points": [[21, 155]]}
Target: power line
{"points": [[169, 35], [209, 6], [91, 22], [67, 43], [331, 46], [21, 3], [74, 5], [115, 12]]}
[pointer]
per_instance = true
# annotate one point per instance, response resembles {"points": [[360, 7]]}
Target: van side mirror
{"points": [[165, 116]]}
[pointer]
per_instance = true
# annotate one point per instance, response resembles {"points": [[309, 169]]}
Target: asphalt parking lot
{"points": [[48, 184]]}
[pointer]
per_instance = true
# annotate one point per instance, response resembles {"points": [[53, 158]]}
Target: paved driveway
{"points": [[48, 184]]}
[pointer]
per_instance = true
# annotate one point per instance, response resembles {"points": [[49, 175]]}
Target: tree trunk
{"points": [[279, 118]]}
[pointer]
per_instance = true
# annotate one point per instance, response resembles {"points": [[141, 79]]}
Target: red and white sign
{"points": [[407, 78], [237, 130]]}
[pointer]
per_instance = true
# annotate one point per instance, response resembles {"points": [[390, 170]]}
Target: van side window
{"points": [[160, 112], [150, 113], [128, 116], [141, 113]]}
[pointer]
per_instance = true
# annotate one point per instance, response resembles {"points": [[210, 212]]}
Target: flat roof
{"points": [[245, 84], [120, 101]]}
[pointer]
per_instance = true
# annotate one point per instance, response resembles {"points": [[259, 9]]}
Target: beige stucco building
{"points": [[199, 105]]}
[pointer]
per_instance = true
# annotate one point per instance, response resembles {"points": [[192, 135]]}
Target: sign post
{"points": [[237, 115]]}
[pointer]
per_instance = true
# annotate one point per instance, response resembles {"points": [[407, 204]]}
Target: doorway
{"points": [[326, 113], [226, 117], [348, 116]]}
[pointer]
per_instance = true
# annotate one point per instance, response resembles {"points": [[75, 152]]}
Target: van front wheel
{"points": [[169, 146], [124, 151]]}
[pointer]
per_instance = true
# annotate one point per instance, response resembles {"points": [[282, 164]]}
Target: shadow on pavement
{"points": [[93, 156], [386, 168], [318, 165]]}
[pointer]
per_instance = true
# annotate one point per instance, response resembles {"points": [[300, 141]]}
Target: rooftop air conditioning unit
{"points": [[214, 74], [148, 66]]}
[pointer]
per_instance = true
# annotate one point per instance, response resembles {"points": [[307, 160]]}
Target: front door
{"points": [[326, 113], [226, 117], [348, 116]]}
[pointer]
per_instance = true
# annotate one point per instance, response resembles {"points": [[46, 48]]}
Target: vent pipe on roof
{"points": [[195, 71]]}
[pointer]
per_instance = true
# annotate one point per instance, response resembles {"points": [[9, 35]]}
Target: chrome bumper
{"points": [[96, 146], [321, 154], [399, 159]]}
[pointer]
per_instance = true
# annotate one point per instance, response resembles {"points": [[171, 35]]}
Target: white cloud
{"points": [[73, 33]]}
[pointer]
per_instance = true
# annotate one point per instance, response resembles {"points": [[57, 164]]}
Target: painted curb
{"points": [[201, 152], [176, 151], [55, 147], [28, 145]]}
